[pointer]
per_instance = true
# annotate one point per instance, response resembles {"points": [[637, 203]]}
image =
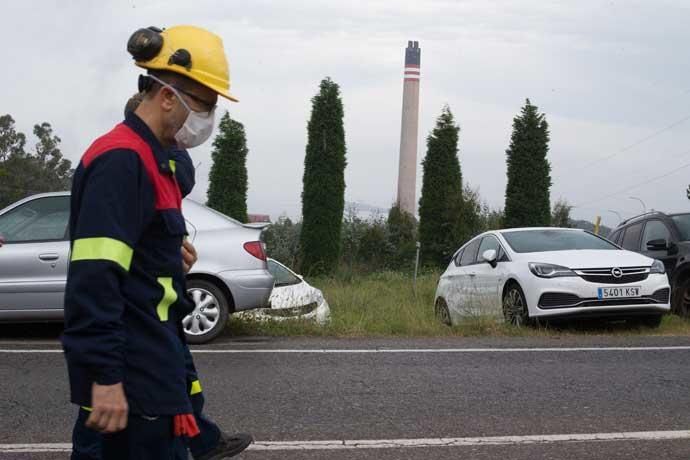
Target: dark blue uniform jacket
{"points": [[125, 294]]}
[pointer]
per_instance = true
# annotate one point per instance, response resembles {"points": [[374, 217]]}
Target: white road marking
{"points": [[411, 443], [439, 350], [29, 342], [463, 442], [35, 448], [32, 350], [383, 350]]}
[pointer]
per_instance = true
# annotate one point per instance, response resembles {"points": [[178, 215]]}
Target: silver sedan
{"points": [[231, 273]]}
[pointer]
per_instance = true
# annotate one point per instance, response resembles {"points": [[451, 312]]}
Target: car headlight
{"points": [[549, 270], [658, 267]]}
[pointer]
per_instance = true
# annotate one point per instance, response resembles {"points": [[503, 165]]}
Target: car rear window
{"points": [[457, 258], [554, 240]]}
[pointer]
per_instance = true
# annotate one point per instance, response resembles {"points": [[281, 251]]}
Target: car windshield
{"points": [[682, 222], [554, 240]]}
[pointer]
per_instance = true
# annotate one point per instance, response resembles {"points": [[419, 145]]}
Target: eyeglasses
{"points": [[209, 106], [205, 104]]}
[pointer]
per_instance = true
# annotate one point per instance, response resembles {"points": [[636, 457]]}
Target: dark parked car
{"points": [[665, 237]]}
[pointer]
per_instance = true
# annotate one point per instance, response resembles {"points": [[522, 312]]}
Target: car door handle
{"points": [[50, 257], [472, 274]]}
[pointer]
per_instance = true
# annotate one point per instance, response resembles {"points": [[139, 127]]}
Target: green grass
{"points": [[384, 305]]}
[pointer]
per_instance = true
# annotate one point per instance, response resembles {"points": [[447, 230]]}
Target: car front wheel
{"points": [[210, 313], [515, 306]]}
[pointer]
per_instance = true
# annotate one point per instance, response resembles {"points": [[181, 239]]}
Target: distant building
{"points": [[259, 218]]}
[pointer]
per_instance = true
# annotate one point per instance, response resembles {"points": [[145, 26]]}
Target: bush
{"points": [[282, 241]]}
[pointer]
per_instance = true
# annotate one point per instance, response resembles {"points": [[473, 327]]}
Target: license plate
{"points": [[618, 292]]}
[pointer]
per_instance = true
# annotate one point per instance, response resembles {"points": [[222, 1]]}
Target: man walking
{"points": [[211, 443], [125, 294]]}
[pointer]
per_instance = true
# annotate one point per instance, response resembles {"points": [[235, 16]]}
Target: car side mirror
{"points": [[657, 245], [489, 257]]}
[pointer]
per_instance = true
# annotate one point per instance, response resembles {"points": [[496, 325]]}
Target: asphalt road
{"points": [[289, 390]]}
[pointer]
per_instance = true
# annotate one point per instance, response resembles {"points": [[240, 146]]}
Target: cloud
{"points": [[605, 73]]}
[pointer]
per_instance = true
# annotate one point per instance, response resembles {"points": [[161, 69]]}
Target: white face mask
{"points": [[196, 129], [198, 126]]}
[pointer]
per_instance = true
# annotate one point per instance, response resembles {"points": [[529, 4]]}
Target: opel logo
{"points": [[617, 272]]}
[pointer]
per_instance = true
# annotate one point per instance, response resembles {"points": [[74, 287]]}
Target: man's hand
{"points": [[110, 411], [189, 256]]}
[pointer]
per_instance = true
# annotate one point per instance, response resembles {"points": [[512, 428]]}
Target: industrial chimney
{"points": [[407, 171]]}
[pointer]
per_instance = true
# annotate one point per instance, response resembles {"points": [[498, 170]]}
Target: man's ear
{"points": [[168, 99]]}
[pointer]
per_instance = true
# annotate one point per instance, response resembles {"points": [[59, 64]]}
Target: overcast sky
{"points": [[610, 76]]}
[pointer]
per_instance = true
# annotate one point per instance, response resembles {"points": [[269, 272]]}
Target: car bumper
{"points": [[250, 288], [573, 296], [606, 313], [321, 313]]}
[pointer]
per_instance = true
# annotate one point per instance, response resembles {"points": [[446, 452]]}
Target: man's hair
{"points": [[133, 103]]}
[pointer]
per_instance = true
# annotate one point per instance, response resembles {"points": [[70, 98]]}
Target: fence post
{"points": [[416, 268]]}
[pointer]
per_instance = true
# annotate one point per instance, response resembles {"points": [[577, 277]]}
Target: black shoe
{"points": [[228, 446]]}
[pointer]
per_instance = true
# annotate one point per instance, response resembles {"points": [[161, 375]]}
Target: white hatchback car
{"points": [[531, 273]]}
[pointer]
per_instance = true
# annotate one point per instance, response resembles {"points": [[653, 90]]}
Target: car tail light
{"points": [[256, 248]]}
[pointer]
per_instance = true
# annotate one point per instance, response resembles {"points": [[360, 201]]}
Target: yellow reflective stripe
{"points": [[87, 409], [173, 165], [196, 388], [169, 298], [102, 249]]}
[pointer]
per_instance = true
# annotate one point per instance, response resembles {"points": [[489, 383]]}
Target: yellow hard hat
{"points": [[191, 51]]}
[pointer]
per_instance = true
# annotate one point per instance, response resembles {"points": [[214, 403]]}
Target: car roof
{"points": [[32, 197], [642, 217], [200, 215], [526, 229], [517, 229], [498, 233], [44, 195]]}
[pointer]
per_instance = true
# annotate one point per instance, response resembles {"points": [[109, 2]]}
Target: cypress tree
{"points": [[401, 228], [529, 171], [440, 206], [323, 193], [227, 189]]}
